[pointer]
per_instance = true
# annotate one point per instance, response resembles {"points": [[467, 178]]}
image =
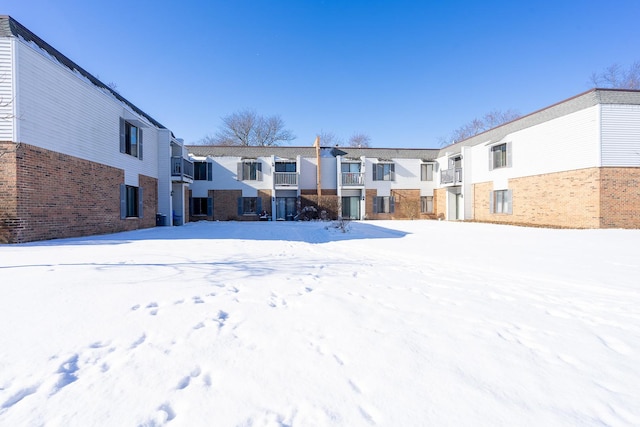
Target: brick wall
{"points": [[440, 203], [407, 204], [328, 201], [9, 220], [565, 199], [62, 196], [225, 204], [620, 197]]}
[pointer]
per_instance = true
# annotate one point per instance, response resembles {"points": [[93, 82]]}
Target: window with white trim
{"points": [[500, 156], [130, 201], [201, 206], [130, 139], [426, 172], [202, 171], [250, 171], [384, 204], [501, 201], [384, 172], [249, 205], [426, 204]]}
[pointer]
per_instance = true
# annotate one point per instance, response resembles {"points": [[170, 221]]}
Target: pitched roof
{"points": [[9, 27], [293, 152]]}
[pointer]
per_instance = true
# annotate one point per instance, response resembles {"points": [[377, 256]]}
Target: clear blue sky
{"points": [[405, 72]]}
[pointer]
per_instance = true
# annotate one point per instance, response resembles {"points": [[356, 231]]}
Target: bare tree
{"points": [[360, 140], [246, 127], [474, 127], [617, 77], [328, 139]]}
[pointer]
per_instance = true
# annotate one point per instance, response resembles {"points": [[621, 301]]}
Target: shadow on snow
{"points": [[313, 232]]}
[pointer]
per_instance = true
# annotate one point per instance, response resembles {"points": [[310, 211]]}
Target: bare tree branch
{"points": [[490, 120], [360, 140], [617, 77], [328, 138], [246, 127]]}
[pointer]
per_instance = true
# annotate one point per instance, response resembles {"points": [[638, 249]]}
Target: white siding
{"points": [[61, 111], [225, 177], [567, 143], [6, 90], [620, 135], [307, 177]]}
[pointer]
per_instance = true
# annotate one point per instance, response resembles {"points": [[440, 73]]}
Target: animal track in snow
{"points": [[221, 318], [168, 410], [139, 341], [183, 383], [154, 308]]}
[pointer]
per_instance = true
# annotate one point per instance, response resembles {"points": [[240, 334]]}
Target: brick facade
{"points": [[440, 203], [328, 201], [584, 198], [620, 197], [51, 195], [225, 205]]}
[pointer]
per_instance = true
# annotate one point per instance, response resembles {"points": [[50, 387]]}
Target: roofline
{"points": [[20, 31], [580, 95]]}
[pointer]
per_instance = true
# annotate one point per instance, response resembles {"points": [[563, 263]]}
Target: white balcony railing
{"points": [[451, 176], [286, 178], [352, 178], [181, 167]]}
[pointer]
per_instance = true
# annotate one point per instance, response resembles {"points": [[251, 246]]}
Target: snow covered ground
{"points": [[395, 323]]}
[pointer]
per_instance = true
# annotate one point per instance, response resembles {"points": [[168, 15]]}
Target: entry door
{"points": [[351, 207], [285, 208], [459, 207]]}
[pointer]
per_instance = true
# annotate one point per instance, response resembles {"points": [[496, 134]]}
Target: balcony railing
{"points": [[181, 167], [286, 178], [451, 176], [352, 178]]}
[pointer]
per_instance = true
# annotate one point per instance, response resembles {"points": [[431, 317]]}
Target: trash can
{"points": [[161, 219]]}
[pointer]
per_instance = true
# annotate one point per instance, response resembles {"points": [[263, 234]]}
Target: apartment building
{"points": [[574, 164], [77, 158], [287, 183]]}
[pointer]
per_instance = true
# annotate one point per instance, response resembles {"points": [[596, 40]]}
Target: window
{"points": [[500, 201], [426, 204], [202, 171], [384, 172], [249, 205], [130, 139], [201, 206], [500, 156], [250, 171], [285, 166], [130, 202], [426, 172], [384, 204]]}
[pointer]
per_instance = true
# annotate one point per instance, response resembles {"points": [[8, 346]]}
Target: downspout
{"points": [[318, 170]]}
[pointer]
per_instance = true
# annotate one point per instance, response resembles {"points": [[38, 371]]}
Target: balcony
{"points": [[451, 176], [181, 169], [285, 179], [352, 179]]}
